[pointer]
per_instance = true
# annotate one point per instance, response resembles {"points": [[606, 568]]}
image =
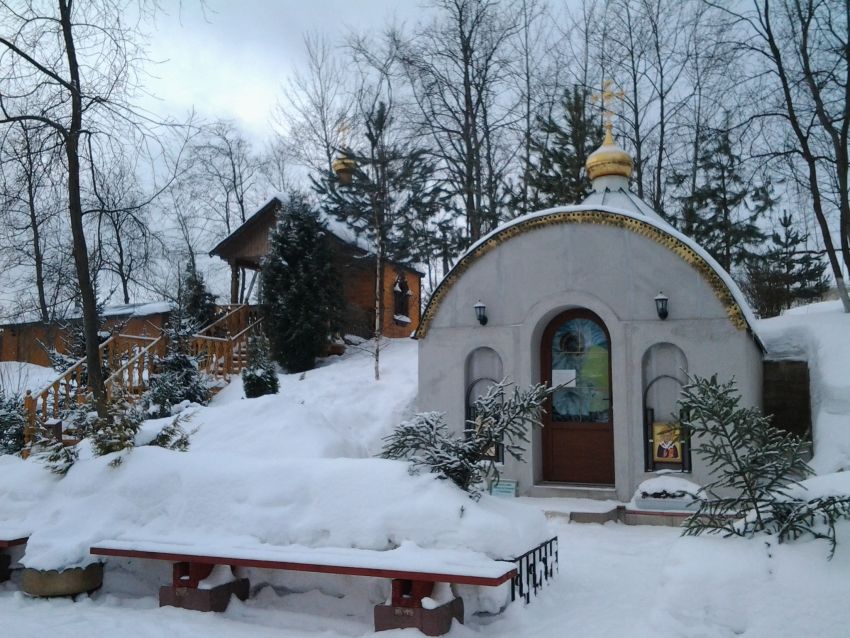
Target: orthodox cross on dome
{"points": [[604, 98]]}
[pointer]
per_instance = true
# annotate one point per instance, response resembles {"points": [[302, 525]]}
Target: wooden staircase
{"points": [[221, 349]]}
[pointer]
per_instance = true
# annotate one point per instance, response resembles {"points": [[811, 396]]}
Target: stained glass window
{"points": [[580, 366]]}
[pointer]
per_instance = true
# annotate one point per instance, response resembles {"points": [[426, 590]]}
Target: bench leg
{"points": [[185, 593], [5, 561], [405, 610]]}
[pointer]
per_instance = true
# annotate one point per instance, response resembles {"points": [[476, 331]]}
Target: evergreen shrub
{"points": [[259, 377], [756, 471], [12, 423], [301, 294], [469, 459]]}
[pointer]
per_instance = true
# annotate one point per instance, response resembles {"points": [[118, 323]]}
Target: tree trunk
{"points": [[75, 211]]}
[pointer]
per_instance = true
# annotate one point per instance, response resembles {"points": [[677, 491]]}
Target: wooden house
{"points": [[26, 341], [245, 248]]}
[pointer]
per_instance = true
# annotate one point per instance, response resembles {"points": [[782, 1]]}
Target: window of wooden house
{"points": [[401, 300]]}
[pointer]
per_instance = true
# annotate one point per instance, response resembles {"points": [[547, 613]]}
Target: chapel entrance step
{"points": [[572, 490]]}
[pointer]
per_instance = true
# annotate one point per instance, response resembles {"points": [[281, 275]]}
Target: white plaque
{"points": [[565, 378]]}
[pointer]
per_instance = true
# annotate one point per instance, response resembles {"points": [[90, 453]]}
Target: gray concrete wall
{"points": [[611, 271]]}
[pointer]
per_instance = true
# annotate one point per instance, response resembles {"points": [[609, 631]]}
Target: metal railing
{"points": [[535, 568]]}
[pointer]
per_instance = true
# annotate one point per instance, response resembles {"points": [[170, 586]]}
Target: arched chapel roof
{"points": [[633, 215]]}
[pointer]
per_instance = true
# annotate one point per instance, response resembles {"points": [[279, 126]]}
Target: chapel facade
{"points": [[606, 300]]}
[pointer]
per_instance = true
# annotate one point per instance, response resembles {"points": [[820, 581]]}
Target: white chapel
{"points": [[607, 300]]}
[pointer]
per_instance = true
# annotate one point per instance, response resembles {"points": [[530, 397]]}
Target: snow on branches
{"points": [[469, 459], [757, 470]]}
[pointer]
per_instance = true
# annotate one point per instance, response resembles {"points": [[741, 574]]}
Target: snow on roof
{"points": [[338, 228], [144, 309], [640, 214], [819, 334], [138, 309], [623, 199]]}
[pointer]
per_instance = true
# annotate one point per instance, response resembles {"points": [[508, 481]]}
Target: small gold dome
{"points": [[609, 159]]}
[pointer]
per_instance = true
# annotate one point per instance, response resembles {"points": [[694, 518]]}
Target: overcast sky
{"points": [[235, 61]]}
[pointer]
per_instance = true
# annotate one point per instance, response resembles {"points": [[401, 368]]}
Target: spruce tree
{"points": [[12, 423], [200, 303], [786, 273], [562, 145], [177, 376], [393, 196], [718, 215], [392, 199], [756, 471], [259, 376], [300, 288], [500, 420]]}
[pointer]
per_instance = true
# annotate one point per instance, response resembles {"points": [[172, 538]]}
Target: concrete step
{"points": [[570, 490]]}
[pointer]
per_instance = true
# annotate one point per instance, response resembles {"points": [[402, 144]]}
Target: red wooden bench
{"points": [[413, 571], [5, 559]]}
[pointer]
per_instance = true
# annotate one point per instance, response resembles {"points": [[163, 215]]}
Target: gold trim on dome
{"points": [[688, 254]]}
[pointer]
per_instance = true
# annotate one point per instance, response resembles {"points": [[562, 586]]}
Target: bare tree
{"points": [[228, 180], [315, 114], [458, 68], [30, 212], [124, 239], [800, 50], [71, 68]]}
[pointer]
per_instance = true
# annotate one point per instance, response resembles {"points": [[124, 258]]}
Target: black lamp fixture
{"points": [[481, 313], [661, 305]]}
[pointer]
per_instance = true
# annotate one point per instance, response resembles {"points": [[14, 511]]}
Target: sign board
{"points": [[504, 488]]}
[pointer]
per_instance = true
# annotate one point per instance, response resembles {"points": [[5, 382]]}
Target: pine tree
{"points": [[392, 199], [756, 470], [117, 432], [177, 376], [200, 303], [53, 453], [301, 294], [259, 376], [173, 436], [786, 273], [716, 211], [12, 423], [562, 146], [393, 195], [467, 459]]}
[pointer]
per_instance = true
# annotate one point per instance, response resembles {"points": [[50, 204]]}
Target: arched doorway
{"points": [[578, 432]]}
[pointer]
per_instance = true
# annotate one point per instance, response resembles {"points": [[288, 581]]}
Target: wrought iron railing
{"points": [[535, 568]]}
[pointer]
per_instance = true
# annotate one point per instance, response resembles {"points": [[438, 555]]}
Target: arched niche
{"points": [[664, 370], [483, 370]]}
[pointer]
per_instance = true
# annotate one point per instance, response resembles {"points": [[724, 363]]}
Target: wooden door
{"points": [[578, 432]]}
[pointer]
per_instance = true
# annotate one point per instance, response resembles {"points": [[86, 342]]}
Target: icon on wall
{"points": [[667, 442]]}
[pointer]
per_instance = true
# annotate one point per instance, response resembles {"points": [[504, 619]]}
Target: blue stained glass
{"points": [[580, 363]]}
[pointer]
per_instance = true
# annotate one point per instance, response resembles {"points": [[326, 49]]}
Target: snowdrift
{"points": [[292, 468]]}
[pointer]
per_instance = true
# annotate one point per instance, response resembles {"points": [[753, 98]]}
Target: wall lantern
{"points": [[481, 313], [661, 305]]}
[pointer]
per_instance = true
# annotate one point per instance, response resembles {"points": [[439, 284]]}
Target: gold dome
{"points": [[609, 159]]}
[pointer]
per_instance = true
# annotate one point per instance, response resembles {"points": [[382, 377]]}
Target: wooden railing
{"points": [[133, 376], [121, 354], [220, 347], [130, 361]]}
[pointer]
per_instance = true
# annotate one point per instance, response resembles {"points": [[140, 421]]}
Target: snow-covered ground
{"points": [[16, 377], [299, 468]]}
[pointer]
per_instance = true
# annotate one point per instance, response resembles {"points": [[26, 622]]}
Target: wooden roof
{"points": [[247, 245]]}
